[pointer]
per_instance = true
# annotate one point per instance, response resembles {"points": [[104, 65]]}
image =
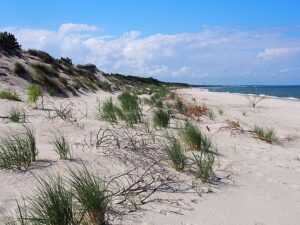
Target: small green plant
{"points": [[91, 193], [16, 115], [131, 111], [176, 154], [18, 150], [13, 96], [221, 112], [34, 92], [211, 115], [61, 146], [194, 138], [204, 166], [266, 134], [244, 113], [180, 106], [52, 203], [161, 118], [65, 112], [108, 111]]}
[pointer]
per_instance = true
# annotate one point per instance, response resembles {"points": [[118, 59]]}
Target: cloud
{"points": [[274, 53], [72, 27], [214, 54]]}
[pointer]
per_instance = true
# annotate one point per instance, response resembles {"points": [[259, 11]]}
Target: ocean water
{"points": [[276, 91]]}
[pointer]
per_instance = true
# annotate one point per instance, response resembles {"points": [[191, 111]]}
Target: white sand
{"points": [[264, 179]]}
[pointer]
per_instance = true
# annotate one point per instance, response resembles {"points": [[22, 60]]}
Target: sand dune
{"points": [[259, 182]]}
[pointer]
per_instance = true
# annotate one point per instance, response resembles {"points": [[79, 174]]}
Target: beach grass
{"points": [[176, 153], [204, 166], [12, 96], [194, 138], [266, 134], [61, 146], [161, 118]]}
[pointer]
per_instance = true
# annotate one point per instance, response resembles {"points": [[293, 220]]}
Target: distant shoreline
{"points": [[289, 92]]}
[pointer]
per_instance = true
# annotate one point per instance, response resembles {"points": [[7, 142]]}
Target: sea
{"points": [[281, 91]]}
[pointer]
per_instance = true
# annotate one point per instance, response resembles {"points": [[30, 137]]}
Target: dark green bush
{"points": [[8, 43]]}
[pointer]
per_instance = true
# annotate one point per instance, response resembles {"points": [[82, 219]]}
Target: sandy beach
{"points": [[259, 182]]}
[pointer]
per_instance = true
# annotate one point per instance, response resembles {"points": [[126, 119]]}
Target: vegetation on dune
{"points": [[61, 146], [44, 56], [203, 164], [13, 96], [91, 193], [108, 111], [161, 118], [266, 134], [211, 114], [34, 92], [180, 106], [18, 150], [131, 111], [16, 115], [176, 154], [81, 199], [19, 69], [194, 138], [8, 43]]}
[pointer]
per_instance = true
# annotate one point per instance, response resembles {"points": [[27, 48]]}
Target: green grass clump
{"points": [[266, 134], [34, 92], [131, 111], [61, 146], [221, 111], [44, 70], [92, 194], [204, 166], [194, 138], [180, 106], [16, 115], [13, 96], [176, 154], [105, 86], [161, 118], [18, 150], [108, 111], [211, 115], [52, 204], [83, 199]]}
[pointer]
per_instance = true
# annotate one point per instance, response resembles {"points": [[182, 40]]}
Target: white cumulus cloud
{"points": [[212, 54]]}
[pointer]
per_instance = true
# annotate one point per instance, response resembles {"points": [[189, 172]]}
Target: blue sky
{"points": [[200, 42]]}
